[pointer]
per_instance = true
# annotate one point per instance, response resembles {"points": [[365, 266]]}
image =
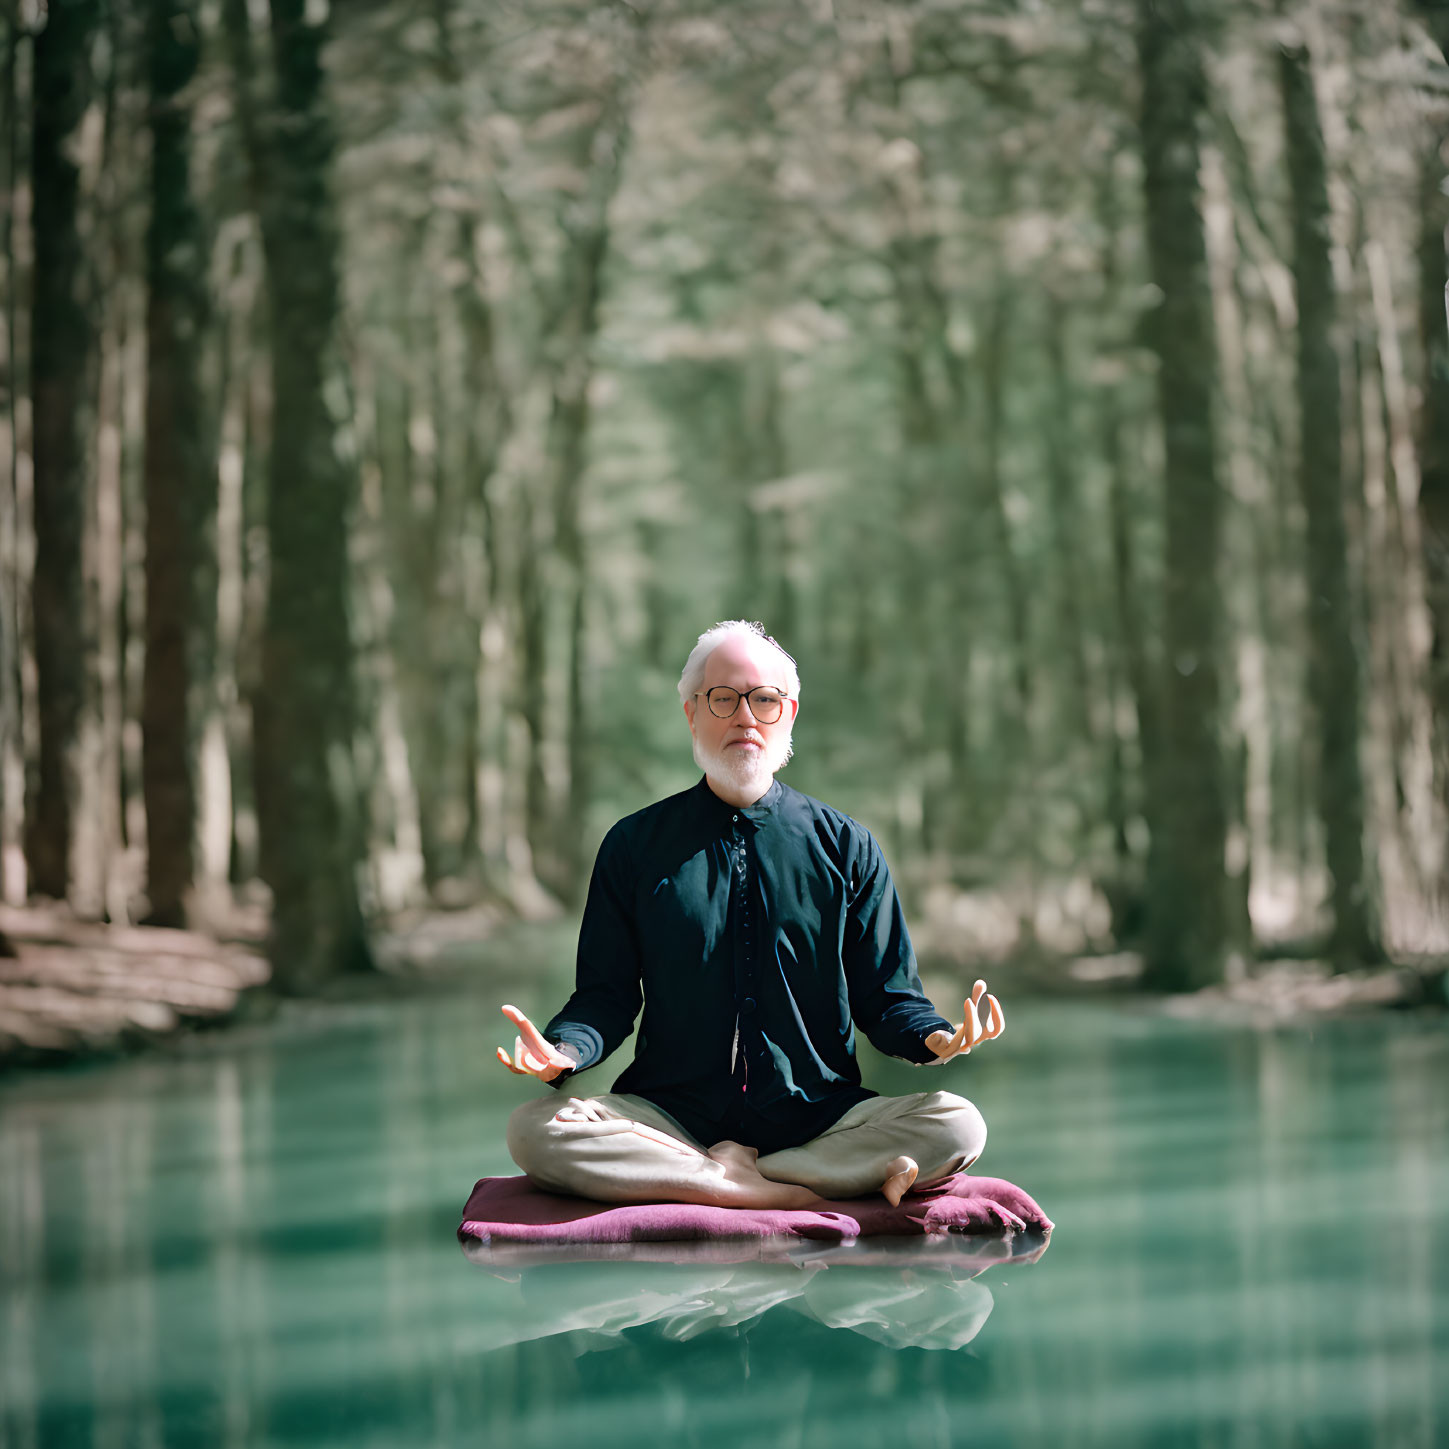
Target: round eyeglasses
{"points": [[766, 702]]}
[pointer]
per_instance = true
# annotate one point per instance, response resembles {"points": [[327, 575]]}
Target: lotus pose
{"points": [[757, 928]]}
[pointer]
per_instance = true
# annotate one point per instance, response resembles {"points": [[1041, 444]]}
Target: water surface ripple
{"points": [[251, 1243]]}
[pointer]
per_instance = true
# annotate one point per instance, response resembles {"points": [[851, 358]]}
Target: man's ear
{"points": [[794, 709], [689, 713]]}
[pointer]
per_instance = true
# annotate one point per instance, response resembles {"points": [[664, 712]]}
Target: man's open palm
{"points": [[973, 1031], [532, 1055]]}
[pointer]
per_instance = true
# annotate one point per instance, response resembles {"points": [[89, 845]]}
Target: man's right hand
{"points": [[532, 1055]]}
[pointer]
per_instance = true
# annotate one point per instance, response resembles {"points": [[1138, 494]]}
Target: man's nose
{"points": [[744, 704]]}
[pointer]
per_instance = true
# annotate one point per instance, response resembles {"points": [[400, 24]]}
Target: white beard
{"points": [[744, 769]]}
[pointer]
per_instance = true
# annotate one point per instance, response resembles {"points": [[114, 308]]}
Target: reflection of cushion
{"points": [[512, 1210]]}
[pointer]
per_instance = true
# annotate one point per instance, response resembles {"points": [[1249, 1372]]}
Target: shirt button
{"points": [[749, 1005], [734, 817]]}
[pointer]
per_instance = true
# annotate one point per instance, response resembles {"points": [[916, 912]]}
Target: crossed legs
{"points": [[619, 1148]]}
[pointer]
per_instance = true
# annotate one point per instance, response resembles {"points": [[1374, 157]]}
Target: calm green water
{"points": [[252, 1244]]}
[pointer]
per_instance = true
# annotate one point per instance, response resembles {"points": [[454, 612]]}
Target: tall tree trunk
{"points": [[98, 885], [1433, 440], [225, 743], [1067, 541], [180, 472], [242, 612], [485, 429], [586, 236], [415, 515], [925, 421], [304, 711], [12, 735], [485, 425], [63, 352], [1248, 611], [1398, 707], [1129, 667], [568, 432], [1333, 658], [993, 393], [532, 690], [937, 492], [450, 642], [1187, 934]]}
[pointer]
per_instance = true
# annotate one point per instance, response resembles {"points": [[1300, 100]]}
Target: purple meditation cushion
{"points": [[513, 1210]]}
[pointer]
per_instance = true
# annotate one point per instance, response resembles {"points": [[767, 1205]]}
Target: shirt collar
{"points": [[757, 814]]}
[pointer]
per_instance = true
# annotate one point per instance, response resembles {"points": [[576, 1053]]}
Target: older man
{"points": [[757, 927]]}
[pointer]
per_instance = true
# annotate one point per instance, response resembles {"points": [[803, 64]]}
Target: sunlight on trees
{"points": [[391, 395]]}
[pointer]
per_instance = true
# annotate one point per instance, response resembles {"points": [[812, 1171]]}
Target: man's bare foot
{"points": [[735, 1154], [900, 1174], [746, 1187]]}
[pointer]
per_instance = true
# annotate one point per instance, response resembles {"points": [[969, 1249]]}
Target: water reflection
{"points": [[254, 1245], [909, 1293]]}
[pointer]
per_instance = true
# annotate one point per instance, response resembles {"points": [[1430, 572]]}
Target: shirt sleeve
{"points": [[886, 999], [600, 1014]]}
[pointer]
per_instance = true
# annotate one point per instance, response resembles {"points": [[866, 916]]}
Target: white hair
{"points": [[692, 680]]}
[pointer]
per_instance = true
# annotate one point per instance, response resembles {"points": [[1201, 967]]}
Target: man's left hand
{"points": [[972, 1032]]}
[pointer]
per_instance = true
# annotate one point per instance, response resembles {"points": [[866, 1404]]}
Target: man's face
{"points": [[740, 750]]}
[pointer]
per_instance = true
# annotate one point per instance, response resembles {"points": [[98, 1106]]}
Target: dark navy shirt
{"points": [[756, 939]]}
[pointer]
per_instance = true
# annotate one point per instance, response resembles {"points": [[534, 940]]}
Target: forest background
{"points": [[391, 393]]}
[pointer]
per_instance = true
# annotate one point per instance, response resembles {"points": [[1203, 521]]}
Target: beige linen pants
{"points": [[621, 1148]]}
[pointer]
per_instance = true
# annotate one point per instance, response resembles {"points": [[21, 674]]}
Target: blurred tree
{"points": [[62, 381], [1433, 435], [1070, 558], [180, 470], [584, 222], [303, 712], [12, 742], [442, 414], [485, 427], [1333, 630], [1133, 669], [590, 88], [1187, 888], [798, 311]]}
